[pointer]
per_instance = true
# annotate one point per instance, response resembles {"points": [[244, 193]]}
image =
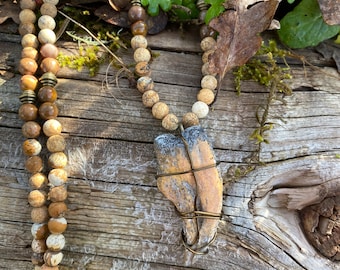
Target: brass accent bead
{"points": [[48, 110], [143, 69], [31, 129], [150, 98], [170, 122], [48, 78], [27, 96], [34, 164], [190, 119], [206, 95], [160, 110], [28, 112]]}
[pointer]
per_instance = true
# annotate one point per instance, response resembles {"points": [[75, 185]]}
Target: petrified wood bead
{"points": [[209, 82], [46, 22], [57, 209], [28, 112], [49, 50], [39, 214], [39, 246], [30, 52], [143, 69], [208, 43], [47, 94], [27, 16], [34, 164], [57, 225], [28, 4], [142, 55], [200, 108], [53, 258], [31, 130], [58, 194], [37, 198], [57, 177], [160, 110], [26, 28], [48, 9], [136, 13], [52, 127], [31, 147], [56, 143], [48, 110], [150, 98], [39, 231], [37, 258], [47, 36], [139, 28], [38, 180], [206, 55], [57, 160], [55, 242], [144, 84], [28, 66], [190, 119], [30, 40], [50, 64], [28, 82]]}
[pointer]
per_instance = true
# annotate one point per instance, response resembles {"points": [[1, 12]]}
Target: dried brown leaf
{"points": [[330, 10], [239, 27], [9, 9]]}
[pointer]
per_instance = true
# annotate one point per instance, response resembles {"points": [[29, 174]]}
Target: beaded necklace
{"points": [[39, 111], [187, 173]]}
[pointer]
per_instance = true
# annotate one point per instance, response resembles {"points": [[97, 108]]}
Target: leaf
{"points": [[330, 10], [154, 5], [330, 50], [215, 9], [304, 26], [9, 10], [238, 38]]}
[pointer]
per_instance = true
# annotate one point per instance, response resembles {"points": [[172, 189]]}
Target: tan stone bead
{"points": [[34, 164], [57, 177], [52, 127], [160, 110], [31, 147], [139, 41], [28, 66], [28, 4], [143, 69], [141, 55], [39, 246], [49, 50], [37, 198], [30, 52], [31, 130], [28, 82], [26, 28], [37, 259], [46, 22], [38, 180], [50, 64], [39, 214], [27, 16], [48, 110], [48, 9], [46, 267], [47, 36], [57, 225], [30, 40], [39, 231], [209, 81], [144, 84], [57, 209], [56, 143], [58, 194], [57, 160], [139, 28], [208, 43], [53, 2], [170, 122], [205, 56], [28, 112], [55, 242], [150, 98], [53, 258], [206, 95], [206, 70], [190, 119], [200, 108]]}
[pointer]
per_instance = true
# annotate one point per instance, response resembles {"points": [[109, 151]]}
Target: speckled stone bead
{"points": [[28, 112], [49, 50], [47, 94], [170, 122], [53, 2], [58, 194], [48, 110], [206, 95], [47, 36], [139, 41], [39, 231], [56, 143], [55, 242], [209, 82], [57, 160], [53, 258], [48, 9], [39, 246], [38, 180], [27, 16], [37, 198], [26, 28], [28, 82], [39, 214], [31, 129], [141, 55], [190, 119], [150, 98], [31, 147], [46, 22], [30, 40], [50, 65], [28, 4], [52, 127], [208, 43], [28, 66], [57, 209], [30, 52], [34, 164], [57, 225], [160, 110], [142, 69], [200, 109], [57, 177], [206, 70], [144, 84], [206, 55], [139, 28], [136, 13]]}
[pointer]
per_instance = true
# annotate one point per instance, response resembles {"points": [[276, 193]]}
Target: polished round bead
{"points": [[31, 147], [150, 98], [47, 36], [37, 198], [28, 4], [39, 231], [57, 225], [30, 52], [143, 69], [57, 177], [160, 110], [50, 65], [48, 110], [30, 40], [57, 209], [56, 143], [209, 81], [190, 119], [58, 194], [37, 259], [46, 22], [39, 246], [57, 160], [48, 9], [28, 112], [31, 129], [170, 122], [142, 55], [139, 41], [206, 70], [47, 94], [49, 50], [144, 84], [55, 242], [27, 16], [34, 164], [27, 96], [206, 95], [208, 43], [136, 13], [28, 66], [52, 127], [39, 214], [206, 55], [38, 180], [139, 28], [28, 82], [53, 2], [200, 109], [53, 258], [26, 28]]}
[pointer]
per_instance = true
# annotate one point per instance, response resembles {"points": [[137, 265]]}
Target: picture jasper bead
{"points": [[31, 147], [206, 55], [28, 112], [47, 94], [56, 143], [31, 130], [30, 40], [27, 16], [206, 95], [30, 52], [46, 267], [38, 180], [208, 43], [57, 225], [190, 119], [52, 127], [37, 198], [144, 84], [57, 160], [28, 66], [200, 109], [39, 214], [58, 194], [142, 55], [57, 209], [28, 82], [47, 36], [48, 9], [37, 258], [55, 242], [170, 122], [150, 98], [46, 22], [34, 164], [50, 64], [139, 41], [39, 246], [48, 110], [136, 13], [209, 81], [143, 69], [53, 258], [139, 28], [49, 50], [28, 4], [26, 28], [57, 177], [39, 231], [160, 110]]}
